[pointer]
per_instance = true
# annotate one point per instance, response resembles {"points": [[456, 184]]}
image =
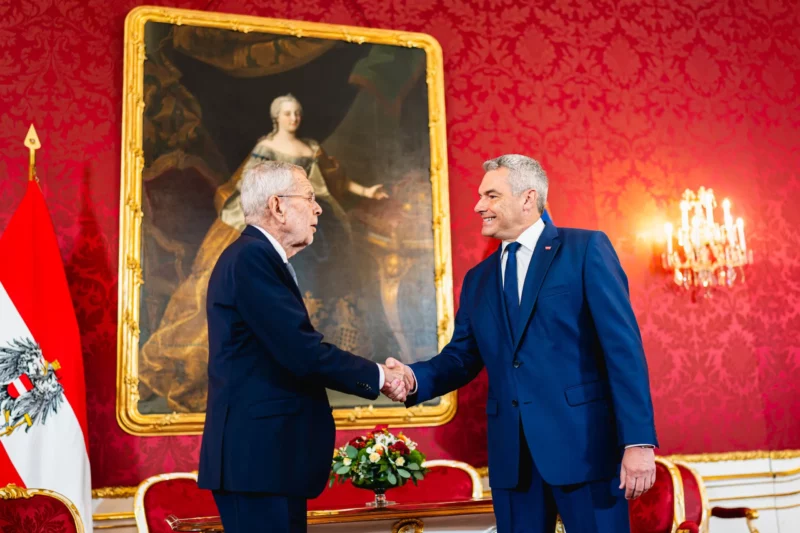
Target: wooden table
{"points": [[400, 518]]}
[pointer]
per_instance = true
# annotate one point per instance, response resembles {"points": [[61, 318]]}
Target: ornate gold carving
{"points": [[13, 492], [102, 517], [734, 456], [113, 492], [128, 415], [408, 525]]}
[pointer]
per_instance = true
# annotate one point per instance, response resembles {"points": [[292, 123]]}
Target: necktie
{"points": [[511, 286], [290, 268]]}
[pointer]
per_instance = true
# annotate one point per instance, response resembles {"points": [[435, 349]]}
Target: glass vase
{"points": [[380, 500]]}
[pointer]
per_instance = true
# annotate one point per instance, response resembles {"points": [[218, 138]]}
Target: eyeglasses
{"points": [[312, 198]]}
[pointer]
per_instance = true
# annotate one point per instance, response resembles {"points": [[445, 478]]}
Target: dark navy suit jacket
{"points": [[576, 377], [269, 426]]}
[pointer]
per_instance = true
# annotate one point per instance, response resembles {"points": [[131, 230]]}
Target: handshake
{"points": [[399, 380]]}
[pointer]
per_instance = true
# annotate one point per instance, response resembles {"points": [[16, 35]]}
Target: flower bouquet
{"points": [[378, 461]]}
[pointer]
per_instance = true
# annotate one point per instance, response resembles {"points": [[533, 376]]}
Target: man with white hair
{"points": [[269, 432], [571, 426]]}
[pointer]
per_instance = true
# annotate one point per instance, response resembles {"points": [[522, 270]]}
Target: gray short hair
{"points": [[523, 173], [259, 182]]}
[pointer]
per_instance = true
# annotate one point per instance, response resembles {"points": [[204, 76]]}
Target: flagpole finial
{"points": [[33, 144]]}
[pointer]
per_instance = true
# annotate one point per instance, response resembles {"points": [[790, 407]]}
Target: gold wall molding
{"points": [[734, 456], [113, 492], [128, 415]]}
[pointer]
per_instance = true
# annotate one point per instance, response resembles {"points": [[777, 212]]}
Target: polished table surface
{"points": [[211, 524]]}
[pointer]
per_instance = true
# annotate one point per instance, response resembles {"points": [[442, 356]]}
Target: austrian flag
{"points": [[43, 436]]}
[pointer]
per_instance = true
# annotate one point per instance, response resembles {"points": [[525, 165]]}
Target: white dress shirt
{"points": [[282, 253], [528, 240]]}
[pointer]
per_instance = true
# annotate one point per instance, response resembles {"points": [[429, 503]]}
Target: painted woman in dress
{"points": [[325, 271]]}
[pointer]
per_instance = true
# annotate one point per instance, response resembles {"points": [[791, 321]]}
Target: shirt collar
{"points": [[274, 242], [529, 237]]}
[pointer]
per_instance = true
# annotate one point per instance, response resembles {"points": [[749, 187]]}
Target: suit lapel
{"points": [[255, 233], [494, 296], [543, 254]]}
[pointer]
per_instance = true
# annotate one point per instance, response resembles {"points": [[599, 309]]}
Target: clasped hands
{"points": [[398, 380]]}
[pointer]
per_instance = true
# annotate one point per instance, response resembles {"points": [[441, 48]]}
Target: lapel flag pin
{"points": [[547, 247]]}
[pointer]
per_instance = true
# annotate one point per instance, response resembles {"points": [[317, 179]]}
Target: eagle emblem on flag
{"points": [[29, 386]]}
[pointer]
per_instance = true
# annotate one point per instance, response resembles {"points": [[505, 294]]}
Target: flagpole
{"points": [[33, 144]]}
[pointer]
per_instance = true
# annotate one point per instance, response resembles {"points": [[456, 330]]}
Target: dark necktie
{"points": [[290, 268], [511, 286]]}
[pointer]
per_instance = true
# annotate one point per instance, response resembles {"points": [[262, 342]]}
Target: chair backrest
{"points": [[23, 510], [661, 509], [694, 495], [177, 494], [446, 481]]}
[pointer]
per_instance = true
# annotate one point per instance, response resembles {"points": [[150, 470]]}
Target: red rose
{"points": [[400, 447], [357, 443], [380, 428]]}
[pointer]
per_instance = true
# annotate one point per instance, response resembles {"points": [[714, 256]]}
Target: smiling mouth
{"points": [[488, 220]]}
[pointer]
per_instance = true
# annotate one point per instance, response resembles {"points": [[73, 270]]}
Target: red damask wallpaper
{"points": [[625, 103]]}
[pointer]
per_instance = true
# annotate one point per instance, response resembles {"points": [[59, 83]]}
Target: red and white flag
{"points": [[43, 438]]}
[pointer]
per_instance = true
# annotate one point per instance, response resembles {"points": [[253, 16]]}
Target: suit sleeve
{"points": [[281, 324], [606, 287], [458, 363]]}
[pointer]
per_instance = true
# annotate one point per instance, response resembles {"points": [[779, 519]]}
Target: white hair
{"points": [[260, 182], [523, 173]]}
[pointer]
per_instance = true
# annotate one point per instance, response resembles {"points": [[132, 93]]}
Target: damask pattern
{"points": [[625, 103]]}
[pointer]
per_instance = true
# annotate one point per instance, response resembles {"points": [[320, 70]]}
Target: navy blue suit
{"points": [[269, 432], [571, 391]]}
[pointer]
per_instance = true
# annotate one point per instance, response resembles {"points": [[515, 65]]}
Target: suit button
{"points": [[514, 403], [517, 363]]}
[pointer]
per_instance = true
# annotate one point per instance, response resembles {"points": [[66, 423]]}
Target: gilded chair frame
{"points": [[13, 492], [477, 482], [138, 498], [706, 515], [131, 277]]}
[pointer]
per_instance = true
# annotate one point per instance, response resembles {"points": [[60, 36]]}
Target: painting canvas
{"points": [[361, 110]]}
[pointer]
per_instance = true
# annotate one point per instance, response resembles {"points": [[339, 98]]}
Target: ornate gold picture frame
{"points": [[203, 93]]}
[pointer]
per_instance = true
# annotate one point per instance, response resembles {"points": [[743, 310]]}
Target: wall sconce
{"points": [[703, 253]]}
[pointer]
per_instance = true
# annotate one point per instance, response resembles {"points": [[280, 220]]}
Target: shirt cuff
{"points": [[381, 377], [416, 385], [639, 446]]}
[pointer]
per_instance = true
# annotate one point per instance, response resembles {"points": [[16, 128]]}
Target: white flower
{"points": [[371, 450], [400, 461], [374, 457], [347, 461]]}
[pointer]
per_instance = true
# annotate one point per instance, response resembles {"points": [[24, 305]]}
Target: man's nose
{"points": [[317, 208], [479, 206]]}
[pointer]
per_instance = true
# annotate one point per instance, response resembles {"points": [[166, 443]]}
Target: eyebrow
{"points": [[490, 191]]}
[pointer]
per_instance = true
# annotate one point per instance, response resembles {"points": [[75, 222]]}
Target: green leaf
{"points": [[418, 475], [404, 473], [392, 479], [343, 470], [351, 452], [384, 467], [331, 482], [412, 466]]}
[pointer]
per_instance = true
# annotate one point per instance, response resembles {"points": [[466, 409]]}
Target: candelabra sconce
{"points": [[703, 254]]}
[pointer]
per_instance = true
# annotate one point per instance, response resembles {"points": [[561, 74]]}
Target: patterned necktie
{"points": [[290, 268], [511, 286]]}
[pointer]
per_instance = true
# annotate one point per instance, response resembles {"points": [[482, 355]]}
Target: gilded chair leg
{"points": [[560, 525], [752, 514]]}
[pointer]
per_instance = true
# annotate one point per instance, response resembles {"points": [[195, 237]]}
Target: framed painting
{"points": [[206, 96]]}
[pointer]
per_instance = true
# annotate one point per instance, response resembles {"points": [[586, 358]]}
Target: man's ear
{"points": [[275, 207], [531, 197]]}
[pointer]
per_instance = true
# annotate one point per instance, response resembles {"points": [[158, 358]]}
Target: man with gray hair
{"points": [[571, 425], [269, 431]]}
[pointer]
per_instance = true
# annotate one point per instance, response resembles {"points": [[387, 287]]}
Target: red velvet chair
{"points": [[37, 511], [177, 494], [446, 481], [661, 509], [698, 510]]}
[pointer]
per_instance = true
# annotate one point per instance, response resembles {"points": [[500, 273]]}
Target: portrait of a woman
{"points": [[180, 344]]}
